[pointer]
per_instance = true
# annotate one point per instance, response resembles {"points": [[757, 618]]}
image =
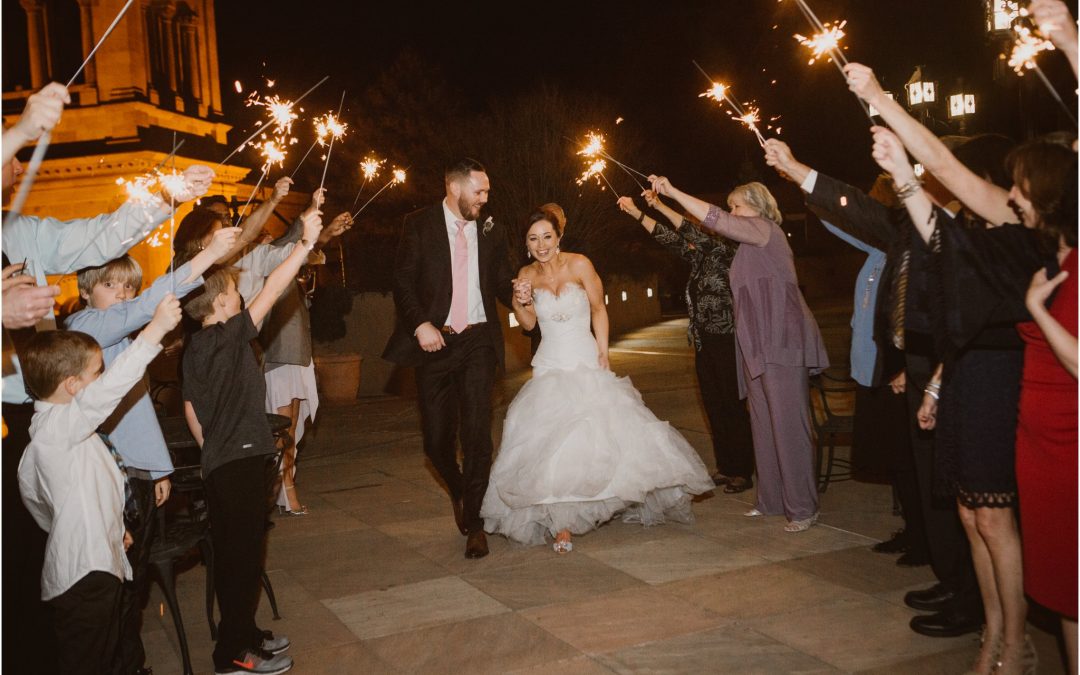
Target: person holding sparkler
{"points": [[780, 346], [986, 272], [712, 334], [579, 446], [1055, 22]]}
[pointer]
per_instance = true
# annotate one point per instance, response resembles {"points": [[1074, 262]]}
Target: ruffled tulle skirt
{"points": [[580, 447]]}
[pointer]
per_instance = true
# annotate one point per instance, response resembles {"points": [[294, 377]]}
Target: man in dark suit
{"points": [[448, 273]]}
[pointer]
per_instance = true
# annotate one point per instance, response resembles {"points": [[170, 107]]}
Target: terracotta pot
{"points": [[338, 377]]}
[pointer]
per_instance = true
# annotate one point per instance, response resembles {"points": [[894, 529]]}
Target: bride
{"points": [[579, 446]]}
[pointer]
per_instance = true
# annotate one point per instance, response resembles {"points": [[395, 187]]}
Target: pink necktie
{"points": [[459, 304]]}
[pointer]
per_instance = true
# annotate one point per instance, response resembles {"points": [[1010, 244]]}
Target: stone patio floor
{"points": [[374, 579]]}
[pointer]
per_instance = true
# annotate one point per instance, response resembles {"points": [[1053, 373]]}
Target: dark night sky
{"points": [[637, 54]]}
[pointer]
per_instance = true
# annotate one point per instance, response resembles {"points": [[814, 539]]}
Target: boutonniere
{"points": [[488, 224]]}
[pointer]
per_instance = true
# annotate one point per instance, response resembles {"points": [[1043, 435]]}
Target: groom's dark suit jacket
{"points": [[424, 286]]}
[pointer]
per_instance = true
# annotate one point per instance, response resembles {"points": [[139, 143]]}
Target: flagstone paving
{"points": [[374, 580]]}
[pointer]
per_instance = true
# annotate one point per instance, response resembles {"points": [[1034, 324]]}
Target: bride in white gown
{"points": [[579, 446]]}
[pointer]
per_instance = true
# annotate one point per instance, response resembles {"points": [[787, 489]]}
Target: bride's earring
{"points": [[557, 249], [528, 254]]}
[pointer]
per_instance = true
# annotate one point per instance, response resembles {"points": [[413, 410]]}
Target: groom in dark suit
{"points": [[448, 273]]}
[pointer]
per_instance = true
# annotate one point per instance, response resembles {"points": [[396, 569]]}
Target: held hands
{"points": [[1037, 294], [861, 80], [281, 188], [197, 180], [430, 337], [523, 292], [890, 155], [42, 112], [223, 241], [166, 317], [24, 302]]}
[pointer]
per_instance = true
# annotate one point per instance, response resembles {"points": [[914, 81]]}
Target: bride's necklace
{"points": [[548, 271]]}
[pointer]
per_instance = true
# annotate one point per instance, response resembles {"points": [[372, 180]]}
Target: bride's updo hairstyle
{"points": [[552, 213]]}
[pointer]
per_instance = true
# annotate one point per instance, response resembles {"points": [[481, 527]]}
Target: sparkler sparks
{"points": [[329, 126], [399, 176], [594, 150], [824, 43], [594, 170], [750, 117], [1028, 45], [370, 167]]}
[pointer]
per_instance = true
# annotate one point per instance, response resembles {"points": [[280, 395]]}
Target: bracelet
{"points": [[907, 190], [641, 218], [932, 393]]}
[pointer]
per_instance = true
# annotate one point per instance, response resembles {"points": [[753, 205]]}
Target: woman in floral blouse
{"points": [[712, 333]]}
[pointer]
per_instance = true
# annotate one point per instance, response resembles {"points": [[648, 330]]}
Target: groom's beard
{"points": [[468, 211]]}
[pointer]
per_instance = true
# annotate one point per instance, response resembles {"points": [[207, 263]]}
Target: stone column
{"points": [[166, 14], [190, 43], [36, 40], [86, 23]]}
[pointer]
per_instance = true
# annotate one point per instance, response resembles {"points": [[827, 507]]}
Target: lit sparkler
{"points": [[369, 167], [397, 176], [827, 42], [719, 93], [273, 120], [1029, 44], [335, 130], [594, 149]]}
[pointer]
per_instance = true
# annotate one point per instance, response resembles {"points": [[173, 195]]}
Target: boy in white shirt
{"points": [[73, 486]]}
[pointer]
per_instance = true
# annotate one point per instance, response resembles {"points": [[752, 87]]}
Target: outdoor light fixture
{"points": [[624, 296], [1000, 15], [648, 292], [921, 92], [961, 104]]}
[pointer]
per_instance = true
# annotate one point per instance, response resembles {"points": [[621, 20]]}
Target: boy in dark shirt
{"points": [[224, 401]]}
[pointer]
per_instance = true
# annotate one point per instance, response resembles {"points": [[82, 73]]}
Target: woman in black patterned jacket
{"points": [[712, 333]]}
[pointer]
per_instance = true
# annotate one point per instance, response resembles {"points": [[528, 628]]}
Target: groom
{"points": [[448, 272]]}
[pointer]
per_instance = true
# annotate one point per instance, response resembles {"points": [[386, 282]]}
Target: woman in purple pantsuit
{"points": [[778, 346]]}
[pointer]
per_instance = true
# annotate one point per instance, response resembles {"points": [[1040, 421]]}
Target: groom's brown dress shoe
{"points": [[476, 545], [459, 516]]}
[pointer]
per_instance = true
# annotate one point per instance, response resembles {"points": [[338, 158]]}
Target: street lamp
{"points": [[1000, 15], [919, 92], [961, 105]]}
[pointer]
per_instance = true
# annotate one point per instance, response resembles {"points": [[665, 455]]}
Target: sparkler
{"points": [[397, 176], [594, 149], [272, 120], [42, 146], [596, 169], [826, 40], [369, 166], [1028, 45], [335, 129], [719, 93]]}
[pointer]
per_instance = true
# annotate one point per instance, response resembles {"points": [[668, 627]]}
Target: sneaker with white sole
{"points": [[275, 644], [257, 661]]}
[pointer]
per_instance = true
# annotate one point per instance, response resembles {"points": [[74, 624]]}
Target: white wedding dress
{"points": [[579, 446]]}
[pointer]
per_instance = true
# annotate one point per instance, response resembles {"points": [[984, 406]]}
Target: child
{"points": [[73, 486], [111, 315], [224, 399]]}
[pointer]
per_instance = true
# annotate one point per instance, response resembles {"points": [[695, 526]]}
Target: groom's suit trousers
{"points": [[455, 389]]}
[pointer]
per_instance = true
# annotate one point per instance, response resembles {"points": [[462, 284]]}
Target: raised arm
{"points": [[582, 269], [981, 196], [1055, 22], [890, 156], [284, 274], [42, 113], [753, 231], [253, 224]]}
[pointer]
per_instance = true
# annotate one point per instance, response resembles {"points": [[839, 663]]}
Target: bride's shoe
{"points": [[562, 543]]}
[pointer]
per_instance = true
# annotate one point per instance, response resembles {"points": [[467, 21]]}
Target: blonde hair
{"points": [[200, 304], [123, 269], [758, 197]]}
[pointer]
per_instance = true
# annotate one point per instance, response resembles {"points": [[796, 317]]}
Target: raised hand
{"points": [[166, 317], [42, 112], [317, 199], [778, 155], [339, 225], [223, 241], [197, 180], [1055, 22], [523, 292], [626, 205], [25, 303], [281, 188], [661, 185], [890, 155], [651, 198], [862, 81], [312, 221]]}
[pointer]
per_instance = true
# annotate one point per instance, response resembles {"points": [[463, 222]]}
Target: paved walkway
{"points": [[374, 580]]}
